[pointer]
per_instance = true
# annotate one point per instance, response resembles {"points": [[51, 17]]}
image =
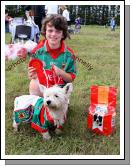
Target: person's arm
{"points": [[69, 72], [6, 18], [59, 72], [32, 20], [32, 72]]}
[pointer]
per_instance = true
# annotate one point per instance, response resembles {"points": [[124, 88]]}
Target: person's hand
{"points": [[62, 74], [57, 70], [32, 73], [10, 19]]}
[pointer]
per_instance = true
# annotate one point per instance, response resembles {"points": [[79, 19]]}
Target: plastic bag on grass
{"points": [[12, 51], [30, 45]]}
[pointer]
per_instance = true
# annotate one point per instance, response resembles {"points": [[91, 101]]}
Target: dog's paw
{"points": [[58, 131], [15, 129], [15, 126], [46, 136]]}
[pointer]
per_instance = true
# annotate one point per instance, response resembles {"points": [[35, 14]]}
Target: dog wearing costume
{"points": [[43, 113]]}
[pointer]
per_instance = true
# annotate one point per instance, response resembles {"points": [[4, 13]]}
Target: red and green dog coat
{"points": [[30, 109]]}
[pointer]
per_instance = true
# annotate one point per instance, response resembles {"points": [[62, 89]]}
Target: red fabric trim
{"points": [[60, 127], [70, 50], [49, 117], [55, 52], [39, 45], [42, 78], [36, 127], [42, 115], [72, 75]]}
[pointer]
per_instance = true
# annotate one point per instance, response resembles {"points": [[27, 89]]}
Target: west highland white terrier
{"points": [[43, 113]]}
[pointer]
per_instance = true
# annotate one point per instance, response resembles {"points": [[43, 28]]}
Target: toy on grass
{"points": [[102, 110]]}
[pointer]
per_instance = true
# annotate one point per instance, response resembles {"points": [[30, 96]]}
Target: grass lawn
{"points": [[97, 46]]}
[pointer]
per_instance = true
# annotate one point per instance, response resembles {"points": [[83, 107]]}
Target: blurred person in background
{"points": [[51, 10], [77, 24], [38, 13], [112, 24], [8, 20], [29, 21], [66, 14]]}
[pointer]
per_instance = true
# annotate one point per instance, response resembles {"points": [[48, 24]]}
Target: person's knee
{"points": [[34, 88]]}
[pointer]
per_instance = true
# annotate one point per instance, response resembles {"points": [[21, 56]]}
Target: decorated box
{"points": [[102, 110]]}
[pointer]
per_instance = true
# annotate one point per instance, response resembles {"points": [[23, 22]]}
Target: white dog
{"points": [[52, 109]]}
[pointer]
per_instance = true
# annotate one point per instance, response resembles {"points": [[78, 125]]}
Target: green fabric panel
{"points": [[23, 115], [64, 58], [37, 109]]}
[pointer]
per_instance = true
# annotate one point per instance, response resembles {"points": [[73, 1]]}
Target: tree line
{"points": [[90, 14], [96, 14]]}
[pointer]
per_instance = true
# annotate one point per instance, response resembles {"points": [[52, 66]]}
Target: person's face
{"points": [[53, 35], [27, 13]]}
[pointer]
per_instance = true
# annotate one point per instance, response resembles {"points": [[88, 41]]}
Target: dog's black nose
{"points": [[48, 102]]}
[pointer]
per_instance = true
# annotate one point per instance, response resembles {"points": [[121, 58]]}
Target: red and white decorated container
{"points": [[102, 110]]}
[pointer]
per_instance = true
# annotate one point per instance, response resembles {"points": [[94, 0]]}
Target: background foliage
{"points": [[90, 14]]}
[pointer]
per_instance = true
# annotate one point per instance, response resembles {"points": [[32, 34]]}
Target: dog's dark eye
{"points": [[56, 96], [95, 117]]}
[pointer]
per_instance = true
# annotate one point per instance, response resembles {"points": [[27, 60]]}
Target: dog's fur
{"points": [[56, 99]]}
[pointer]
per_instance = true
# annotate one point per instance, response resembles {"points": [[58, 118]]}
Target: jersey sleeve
{"points": [[34, 52], [71, 66]]}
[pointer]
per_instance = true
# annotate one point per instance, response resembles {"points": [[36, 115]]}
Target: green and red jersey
{"points": [[62, 57]]}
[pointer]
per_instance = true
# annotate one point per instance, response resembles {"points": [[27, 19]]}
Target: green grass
{"points": [[97, 46]]}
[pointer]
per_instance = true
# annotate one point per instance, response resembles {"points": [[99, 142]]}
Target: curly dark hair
{"points": [[58, 21]]}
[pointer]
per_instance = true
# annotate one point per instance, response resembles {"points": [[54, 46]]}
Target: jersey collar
{"points": [[61, 50]]}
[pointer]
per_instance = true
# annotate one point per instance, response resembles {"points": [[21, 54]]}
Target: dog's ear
{"points": [[68, 88], [42, 88]]}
